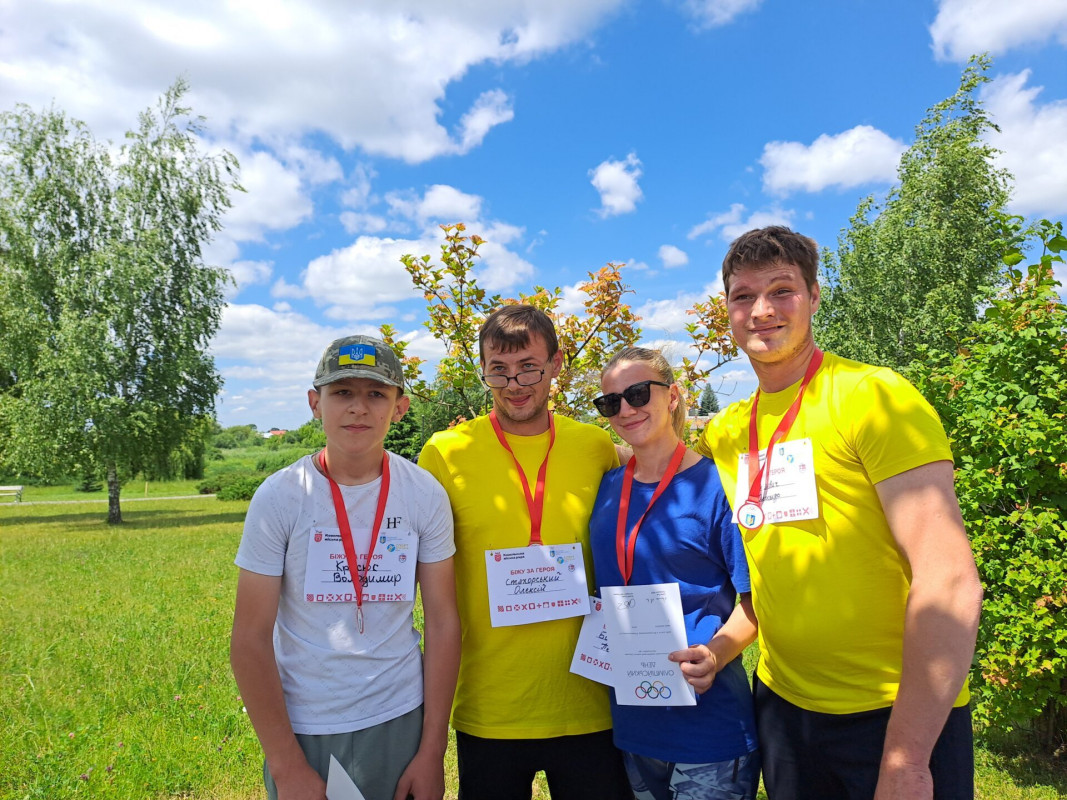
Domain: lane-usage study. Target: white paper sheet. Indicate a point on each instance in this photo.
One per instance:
(645, 624)
(339, 786)
(592, 655)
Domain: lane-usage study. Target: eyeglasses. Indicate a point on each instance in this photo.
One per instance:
(636, 396)
(527, 378)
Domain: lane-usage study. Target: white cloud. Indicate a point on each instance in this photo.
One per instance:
(731, 224)
(363, 278)
(715, 13)
(498, 267)
(501, 269)
(965, 27)
(358, 194)
(669, 316)
(357, 280)
(1031, 141)
(616, 181)
(314, 167)
(282, 288)
(275, 198)
(354, 222)
(247, 273)
(295, 342)
(854, 157)
(672, 256)
(447, 204)
(372, 75)
(572, 299)
(491, 109)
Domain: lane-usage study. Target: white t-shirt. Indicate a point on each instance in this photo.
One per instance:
(336, 679)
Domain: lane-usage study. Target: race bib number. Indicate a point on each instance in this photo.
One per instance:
(592, 655)
(535, 584)
(789, 491)
(390, 577)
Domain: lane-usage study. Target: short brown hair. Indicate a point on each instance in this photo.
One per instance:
(766, 247)
(510, 328)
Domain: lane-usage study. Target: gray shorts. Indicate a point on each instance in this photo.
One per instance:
(375, 757)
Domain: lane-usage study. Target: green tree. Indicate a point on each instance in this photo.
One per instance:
(237, 436)
(309, 435)
(1001, 397)
(913, 271)
(403, 437)
(709, 403)
(106, 305)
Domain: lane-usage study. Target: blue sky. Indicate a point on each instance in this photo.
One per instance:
(568, 133)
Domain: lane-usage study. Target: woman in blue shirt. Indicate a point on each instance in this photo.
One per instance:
(707, 751)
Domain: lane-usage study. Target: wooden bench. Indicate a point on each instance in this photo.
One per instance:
(12, 491)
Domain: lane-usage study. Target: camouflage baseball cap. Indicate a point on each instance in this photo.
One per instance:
(359, 357)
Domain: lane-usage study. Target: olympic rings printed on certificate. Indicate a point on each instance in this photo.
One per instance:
(652, 691)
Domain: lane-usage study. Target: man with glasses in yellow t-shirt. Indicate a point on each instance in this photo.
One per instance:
(863, 580)
(522, 482)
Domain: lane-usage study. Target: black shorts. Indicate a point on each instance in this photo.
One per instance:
(583, 767)
(808, 755)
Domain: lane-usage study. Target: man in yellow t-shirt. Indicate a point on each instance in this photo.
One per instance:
(518, 708)
(863, 580)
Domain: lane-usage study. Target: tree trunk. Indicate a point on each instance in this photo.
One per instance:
(114, 513)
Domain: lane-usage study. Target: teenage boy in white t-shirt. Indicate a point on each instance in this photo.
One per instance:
(328, 665)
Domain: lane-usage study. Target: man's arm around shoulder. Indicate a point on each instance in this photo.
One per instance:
(424, 777)
(256, 672)
(940, 623)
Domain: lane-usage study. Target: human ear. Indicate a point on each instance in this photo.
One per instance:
(403, 403)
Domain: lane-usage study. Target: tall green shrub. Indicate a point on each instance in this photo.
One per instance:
(1003, 399)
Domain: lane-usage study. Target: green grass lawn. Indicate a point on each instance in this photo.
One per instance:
(131, 490)
(114, 672)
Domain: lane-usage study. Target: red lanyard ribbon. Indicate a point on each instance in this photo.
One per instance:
(346, 529)
(624, 549)
(535, 502)
(755, 475)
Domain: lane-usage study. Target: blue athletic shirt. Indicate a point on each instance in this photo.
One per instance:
(687, 538)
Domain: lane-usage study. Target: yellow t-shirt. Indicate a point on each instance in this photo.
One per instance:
(515, 682)
(830, 592)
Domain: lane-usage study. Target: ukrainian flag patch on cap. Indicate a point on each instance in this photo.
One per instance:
(356, 354)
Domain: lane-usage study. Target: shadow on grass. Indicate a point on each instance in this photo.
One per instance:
(133, 520)
(1019, 756)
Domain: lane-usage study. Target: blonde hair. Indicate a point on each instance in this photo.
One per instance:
(655, 361)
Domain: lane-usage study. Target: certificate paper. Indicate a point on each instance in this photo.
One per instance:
(592, 658)
(789, 492)
(644, 625)
(339, 786)
(536, 583)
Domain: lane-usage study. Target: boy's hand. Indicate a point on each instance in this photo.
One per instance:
(424, 779)
(300, 783)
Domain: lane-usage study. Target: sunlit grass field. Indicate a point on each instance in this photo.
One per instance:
(132, 490)
(114, 672)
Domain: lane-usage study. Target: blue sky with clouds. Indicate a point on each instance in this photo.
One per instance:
(568, 134)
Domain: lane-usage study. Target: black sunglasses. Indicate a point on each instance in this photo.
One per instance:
(636, 396)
